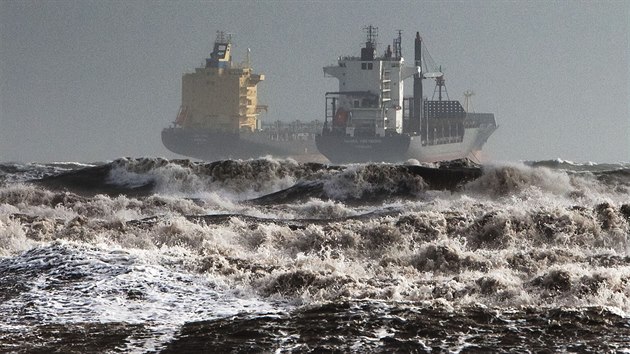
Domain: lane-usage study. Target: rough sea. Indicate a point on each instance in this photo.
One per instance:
(152, 255)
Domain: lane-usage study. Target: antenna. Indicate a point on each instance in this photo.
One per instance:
(398, 45)
(221, 36)
(372, 33)
(367, 53)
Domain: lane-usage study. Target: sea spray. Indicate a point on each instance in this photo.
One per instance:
(188, 248)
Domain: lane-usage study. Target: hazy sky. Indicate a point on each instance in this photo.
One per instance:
(96, 80)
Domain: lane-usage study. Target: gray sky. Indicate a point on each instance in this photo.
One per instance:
(96, 80)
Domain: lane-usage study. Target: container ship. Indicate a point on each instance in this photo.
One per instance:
(370, 119)
(219, 115)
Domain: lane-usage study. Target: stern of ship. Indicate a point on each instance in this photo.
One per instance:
(347, 149)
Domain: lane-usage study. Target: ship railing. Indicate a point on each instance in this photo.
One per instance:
(474, 120)
(289, 136)
(292, 127)
(344, 58)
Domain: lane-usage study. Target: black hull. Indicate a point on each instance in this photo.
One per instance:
(216, 146)
(344, 149)
(396, 148)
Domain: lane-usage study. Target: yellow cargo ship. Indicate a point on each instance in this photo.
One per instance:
(219, 115)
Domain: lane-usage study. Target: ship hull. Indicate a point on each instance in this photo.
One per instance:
(212, 146)
(344, 149)
(469, 147)
(401, 148)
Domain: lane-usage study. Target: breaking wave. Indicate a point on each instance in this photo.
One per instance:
(174, 242)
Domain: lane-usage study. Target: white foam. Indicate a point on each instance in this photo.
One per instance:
(12, 237)
(485, 244)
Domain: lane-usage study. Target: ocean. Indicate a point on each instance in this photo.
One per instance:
(150, 255)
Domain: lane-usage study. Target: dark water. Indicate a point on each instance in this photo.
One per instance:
(152, 255)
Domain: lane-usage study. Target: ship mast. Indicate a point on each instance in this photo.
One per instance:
(468, 107)
(398, 45)
(440, 84)
(417, 86)
(367, 53)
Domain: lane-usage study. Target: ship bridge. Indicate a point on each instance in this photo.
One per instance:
(370, 96)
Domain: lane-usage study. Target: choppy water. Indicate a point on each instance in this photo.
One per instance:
(152, 255)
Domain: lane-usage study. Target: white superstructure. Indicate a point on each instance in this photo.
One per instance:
(371, 90)
(369, 119)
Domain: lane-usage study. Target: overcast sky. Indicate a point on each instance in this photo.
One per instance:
(96, 80)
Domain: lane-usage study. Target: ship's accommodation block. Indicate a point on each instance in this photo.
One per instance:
(370, 91)
(222, 96)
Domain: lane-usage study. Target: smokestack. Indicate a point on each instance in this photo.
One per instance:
(417, 87)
